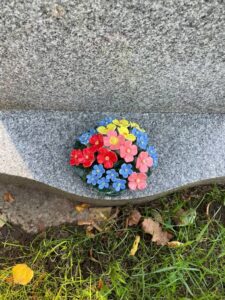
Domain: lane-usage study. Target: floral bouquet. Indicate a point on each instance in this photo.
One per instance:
(114, 156)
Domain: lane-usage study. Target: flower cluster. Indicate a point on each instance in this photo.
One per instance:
(115, 155)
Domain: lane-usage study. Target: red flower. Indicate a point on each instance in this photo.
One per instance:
(96, 141)
(88, 157)
(76, 157)
(107, 158)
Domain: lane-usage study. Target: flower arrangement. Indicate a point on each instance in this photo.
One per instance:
(114, 156)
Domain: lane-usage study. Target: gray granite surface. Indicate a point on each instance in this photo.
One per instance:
(142, 56)
(36, 145)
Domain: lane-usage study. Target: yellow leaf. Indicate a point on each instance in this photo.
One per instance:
(81, 207)
(174, 244)
(22, 274)
(135, 245)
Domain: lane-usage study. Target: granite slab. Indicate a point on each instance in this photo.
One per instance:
(143, 56)
(35, 148)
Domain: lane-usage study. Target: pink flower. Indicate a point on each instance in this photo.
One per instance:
(144, 161)
(113, 140)
(127, 151)
(137, 181)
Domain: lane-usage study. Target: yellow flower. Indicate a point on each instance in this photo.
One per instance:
(105, 130)
(136, 125)
(121, 123)
(125, 132)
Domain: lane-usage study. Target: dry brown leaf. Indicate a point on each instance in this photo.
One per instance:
(100, 284)
(9, 279)
(100, 214)
(8, 197)
(135, 245)
(174, 244)
(81, 207)
(89, 231)
(134, 218)
(22, 274)
(159, 236)
(95, 214)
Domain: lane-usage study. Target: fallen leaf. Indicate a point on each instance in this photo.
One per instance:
(89, 223)
(100, 214)
(185, 218)
(89, 231)
(174, 244)
(3, 220)
(100, 284)
(135, 245)
(9, 279)
(22, 274)
(159, 236)
(134, 218)
(95, 214)
(8, 197)
(81, 207)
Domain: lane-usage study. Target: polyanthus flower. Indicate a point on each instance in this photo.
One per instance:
(96, 141)
(105, 121)
(88, 157)
(84, 137)
(113, 140)
(76, 157)
(125, 132)
(121, 123)
(128, 151)
(112, 175)
(142, 141)
(119, 184)
(98, 171)
(92, 179)
(125, 170)
(137, 181)
(107, 158)
(137, 126)
(103, 183)
(144, 162)
(105, 130)
(152, 152)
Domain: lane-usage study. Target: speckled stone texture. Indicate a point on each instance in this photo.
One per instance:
(142, 56)
(36, 145)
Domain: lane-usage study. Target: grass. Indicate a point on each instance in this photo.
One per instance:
(70, 265)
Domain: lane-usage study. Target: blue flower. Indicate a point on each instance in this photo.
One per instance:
(142, 141)
(136, 132)
(119, 184)
(105, 121)
(98, 171)
(112, 175)
(84, 137)
(126, 170)
(92, 131)
(152, 152)
(92, 179)
(103, 183)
